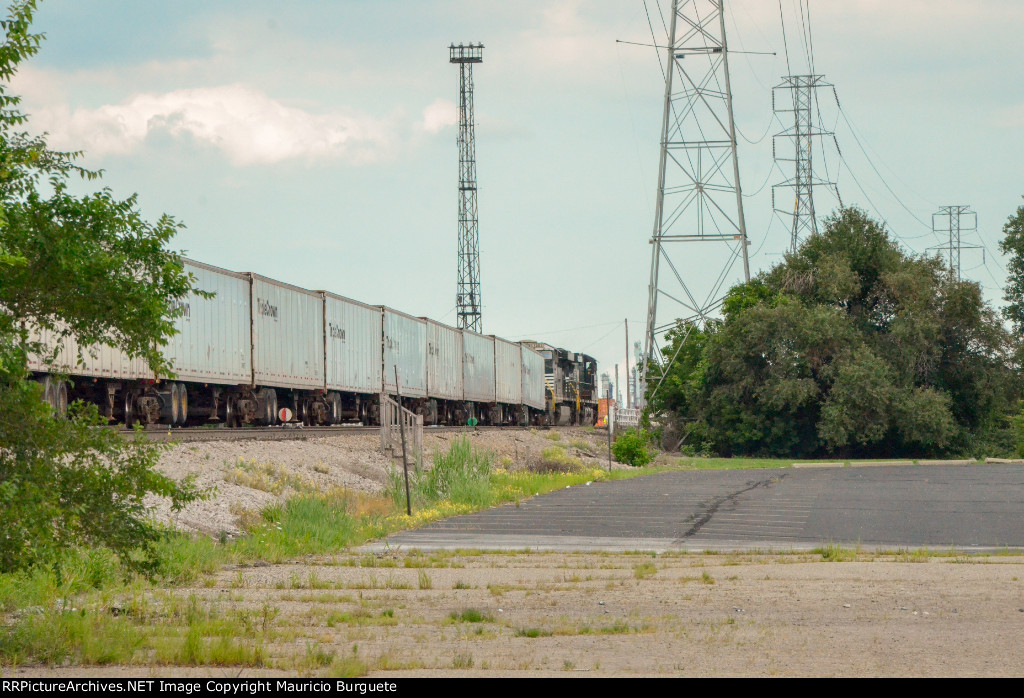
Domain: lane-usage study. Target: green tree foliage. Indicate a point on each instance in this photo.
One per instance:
(90, 267)
(849, 346)
(1012, 244)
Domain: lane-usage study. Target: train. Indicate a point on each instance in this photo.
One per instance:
(261, 352)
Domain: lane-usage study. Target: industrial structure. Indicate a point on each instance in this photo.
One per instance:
(699, 199)
(954, 221)
(467, 298)
(796, 95)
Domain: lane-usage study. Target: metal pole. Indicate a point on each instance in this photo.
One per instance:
(732, 137)
(608, 423)
(401, 429)
(628, 405)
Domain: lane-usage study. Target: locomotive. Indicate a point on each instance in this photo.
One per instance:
(570, 385)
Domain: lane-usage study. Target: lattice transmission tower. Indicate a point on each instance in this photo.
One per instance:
(800, 102)
(467, 295)
(954, 221)
(699, 198)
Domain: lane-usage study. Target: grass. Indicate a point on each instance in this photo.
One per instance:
(732, 463)
(469, 615)
(644, 570)
(85, 610)
(835, 553)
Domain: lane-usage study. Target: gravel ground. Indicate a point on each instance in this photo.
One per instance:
(555, 614)
(246, 476)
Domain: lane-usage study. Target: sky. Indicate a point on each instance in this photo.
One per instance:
(314, 141)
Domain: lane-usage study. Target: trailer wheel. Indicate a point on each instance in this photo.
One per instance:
(268, 396)
(129, 409)
(230, 413)
(48, 391)
(182, 403)
(170, 404)
(334, 402)
(62, 399)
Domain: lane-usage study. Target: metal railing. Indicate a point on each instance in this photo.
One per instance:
(627, 417)
(390, 429)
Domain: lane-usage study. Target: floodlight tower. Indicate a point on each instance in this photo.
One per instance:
(699, 198)
(467, 296)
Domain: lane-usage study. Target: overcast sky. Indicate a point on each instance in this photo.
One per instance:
(313, 141)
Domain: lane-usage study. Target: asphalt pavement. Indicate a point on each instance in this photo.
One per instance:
(969, 508)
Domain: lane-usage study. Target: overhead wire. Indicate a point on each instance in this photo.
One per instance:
(785, 43)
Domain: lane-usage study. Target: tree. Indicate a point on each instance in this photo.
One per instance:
(1012, 244)
(86, 266)
(849, 346)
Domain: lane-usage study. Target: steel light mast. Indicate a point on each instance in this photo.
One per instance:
(467, 298)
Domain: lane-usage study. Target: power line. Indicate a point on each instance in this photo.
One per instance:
(785, 44)
(863, 150)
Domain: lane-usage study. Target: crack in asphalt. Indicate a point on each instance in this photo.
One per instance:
(712, 508)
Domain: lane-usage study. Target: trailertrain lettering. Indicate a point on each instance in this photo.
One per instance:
(181, 309)
(265, 308)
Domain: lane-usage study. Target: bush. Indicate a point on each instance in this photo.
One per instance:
(555, 459)
(631, 448)
(66, 483)
(462, 476)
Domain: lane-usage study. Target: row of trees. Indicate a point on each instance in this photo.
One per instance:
(852, 347)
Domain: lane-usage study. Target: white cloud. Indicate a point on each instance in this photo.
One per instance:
(438, 115)
(250, 127)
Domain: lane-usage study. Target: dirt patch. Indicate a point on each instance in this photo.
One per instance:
(246, 476)
(454, 614)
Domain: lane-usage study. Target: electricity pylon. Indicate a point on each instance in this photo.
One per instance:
(800, 102)
(699, 198)
(955, 220)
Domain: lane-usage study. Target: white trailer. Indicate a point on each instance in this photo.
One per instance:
(478, 366)
(287, 335)
(508, 372)
(444, 362)
(405, 347)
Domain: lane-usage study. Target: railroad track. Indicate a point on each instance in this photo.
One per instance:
(284, 433)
